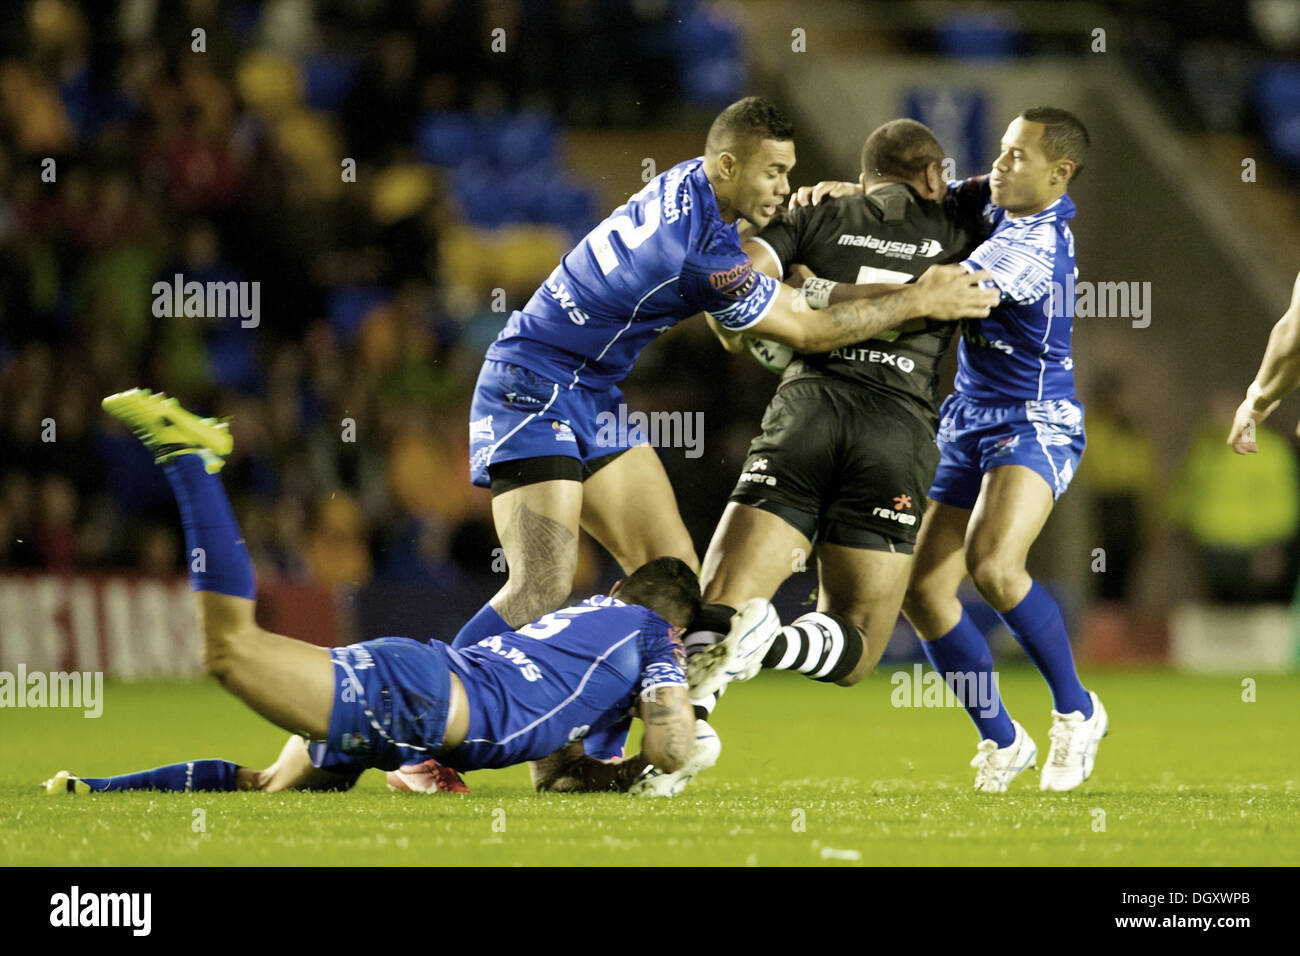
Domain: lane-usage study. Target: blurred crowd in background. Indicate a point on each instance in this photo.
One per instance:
(380, 293)
(380, 288)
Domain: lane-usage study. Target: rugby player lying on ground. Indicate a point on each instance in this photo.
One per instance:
(510, 698)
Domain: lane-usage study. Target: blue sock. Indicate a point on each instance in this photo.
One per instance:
(221, 563)
(486, 623)
(1037, 625)
(964, 653)
(181, 777)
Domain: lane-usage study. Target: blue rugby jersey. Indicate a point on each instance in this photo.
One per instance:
(567, 674)
(661, 257)
(1022, 350)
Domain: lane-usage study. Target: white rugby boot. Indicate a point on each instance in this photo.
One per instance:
(1074, 747)
(739, 655)
(995, 767)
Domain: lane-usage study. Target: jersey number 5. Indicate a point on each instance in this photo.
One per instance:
(548, 625)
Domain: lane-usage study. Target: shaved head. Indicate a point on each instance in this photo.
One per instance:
(743, 125)
(900, 149)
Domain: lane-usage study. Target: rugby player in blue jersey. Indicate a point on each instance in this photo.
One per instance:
(550, 380)
(515, 696)
(1010, 439)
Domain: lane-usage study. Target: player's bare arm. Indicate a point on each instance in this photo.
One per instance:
(1278, 376)
(669, 727)
(733, 342)
(943, 292)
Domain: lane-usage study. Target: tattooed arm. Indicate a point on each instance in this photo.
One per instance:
(859, 312)
(669, 726)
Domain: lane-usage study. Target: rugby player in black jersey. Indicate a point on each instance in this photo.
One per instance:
(847, 450)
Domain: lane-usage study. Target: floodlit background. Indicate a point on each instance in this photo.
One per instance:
(399, 176)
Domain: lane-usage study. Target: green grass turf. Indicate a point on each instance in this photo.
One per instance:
(1190, 774)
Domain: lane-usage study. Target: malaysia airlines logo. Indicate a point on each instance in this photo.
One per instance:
(925, 249)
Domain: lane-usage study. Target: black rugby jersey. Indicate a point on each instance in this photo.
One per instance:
(890, 235)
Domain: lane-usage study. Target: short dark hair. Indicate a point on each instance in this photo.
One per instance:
(746, 122)
(666, 586)
(900, 149)
(1064, 135)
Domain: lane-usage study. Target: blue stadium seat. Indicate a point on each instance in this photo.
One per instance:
(566, 204)
(348, 305)
(489, 197)
(448, 139)
(329, 79)
(1278, 101)
(525, 140)
(710, 59)
(994, 34)
(510, 141)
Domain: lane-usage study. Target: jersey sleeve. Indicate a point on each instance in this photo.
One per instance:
(783, 237)
(1020, 260)
(727, 286)
(663, 661)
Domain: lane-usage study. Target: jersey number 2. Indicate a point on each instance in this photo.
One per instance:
(631, 235)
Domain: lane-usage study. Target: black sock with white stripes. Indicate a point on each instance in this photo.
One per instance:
(824, 645)
(710, 625)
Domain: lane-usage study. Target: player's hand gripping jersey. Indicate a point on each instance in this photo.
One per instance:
(663, 256)
(890, 235)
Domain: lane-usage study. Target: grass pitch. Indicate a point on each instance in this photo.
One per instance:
(810, 775)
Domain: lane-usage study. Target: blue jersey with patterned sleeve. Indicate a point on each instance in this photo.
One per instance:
(1022, 350)
(568, 674)
(661, 257)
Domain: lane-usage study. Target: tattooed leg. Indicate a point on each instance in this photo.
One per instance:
(538, 528)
